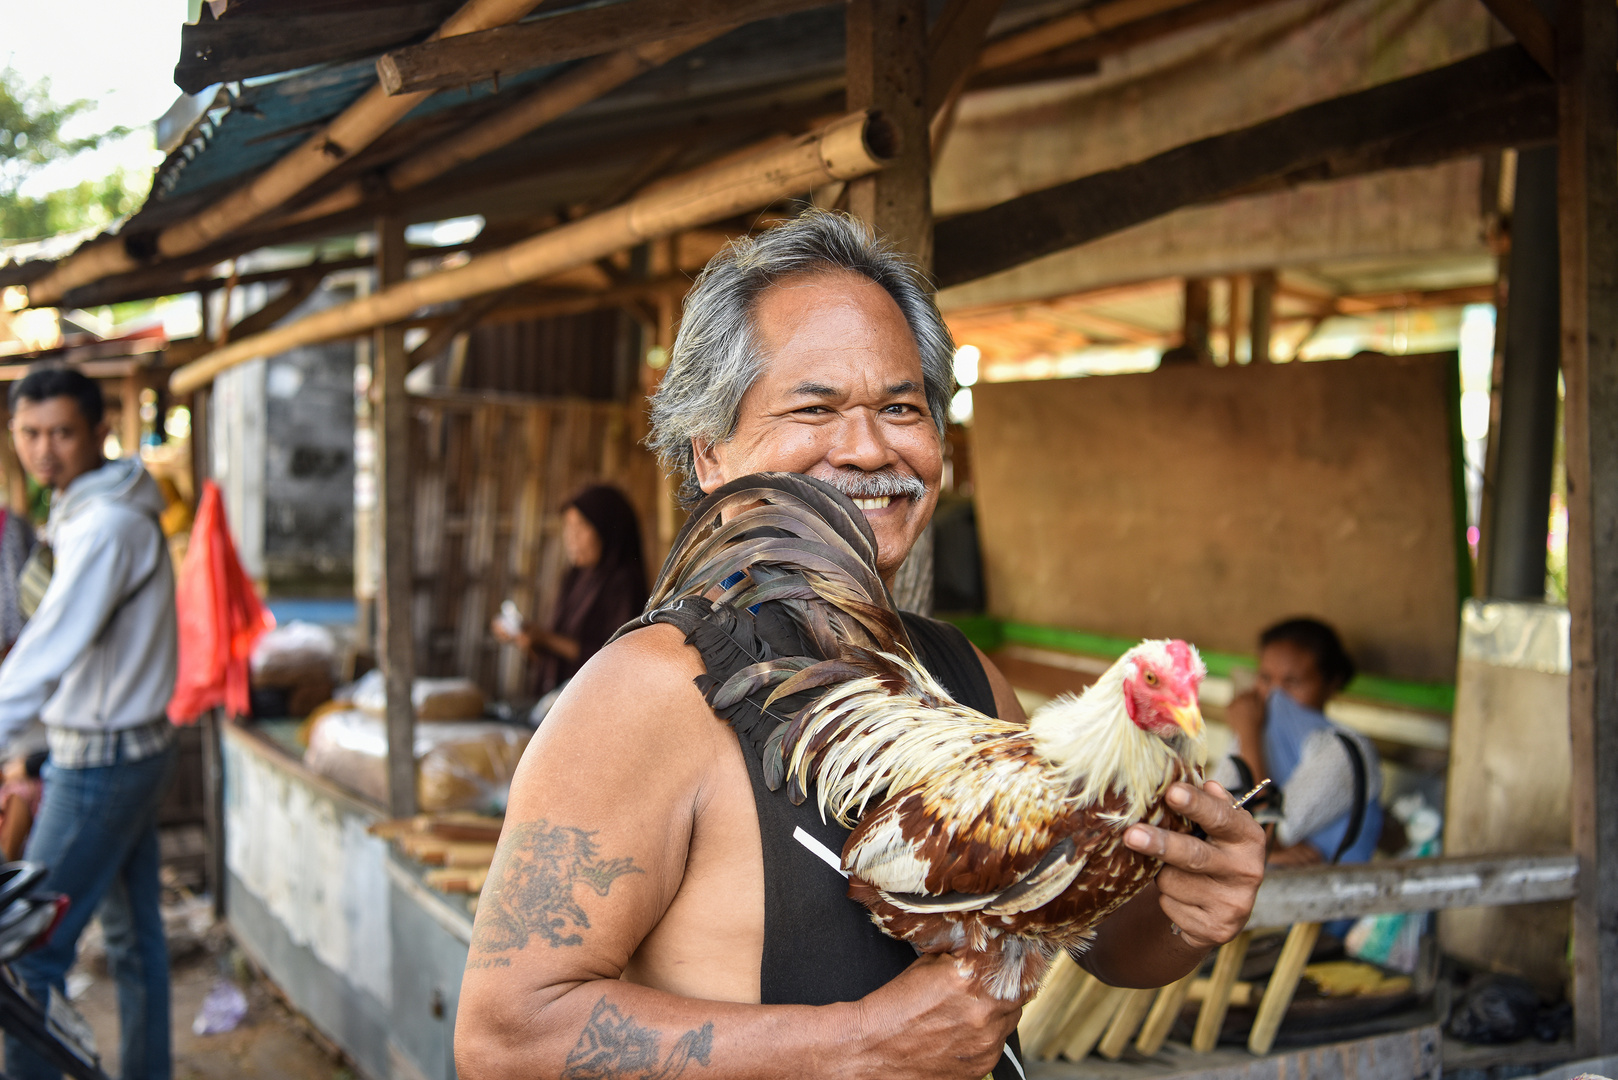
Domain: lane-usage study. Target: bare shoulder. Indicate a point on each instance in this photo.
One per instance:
(1005, 698)
(632, 704)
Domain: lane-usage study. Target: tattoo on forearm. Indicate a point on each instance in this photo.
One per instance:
(614, 1047)
(531, 886)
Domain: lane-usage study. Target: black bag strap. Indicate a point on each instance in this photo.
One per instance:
(1356, 822)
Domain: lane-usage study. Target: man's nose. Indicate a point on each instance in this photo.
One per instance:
(862, 444)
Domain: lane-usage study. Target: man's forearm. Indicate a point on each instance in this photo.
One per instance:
(609, 1027)
(1137, 947)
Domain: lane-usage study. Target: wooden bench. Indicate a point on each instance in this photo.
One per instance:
(1075, 1013)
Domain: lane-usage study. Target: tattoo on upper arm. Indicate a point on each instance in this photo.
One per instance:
(530, 889)
(614, 1047)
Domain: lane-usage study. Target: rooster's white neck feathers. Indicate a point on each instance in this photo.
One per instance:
(1094, 746)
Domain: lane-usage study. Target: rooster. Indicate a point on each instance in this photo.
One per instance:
(997, 841)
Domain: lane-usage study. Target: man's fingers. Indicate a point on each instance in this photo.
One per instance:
(1176, 849)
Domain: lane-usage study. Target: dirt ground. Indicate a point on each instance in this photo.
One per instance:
(271, 1041)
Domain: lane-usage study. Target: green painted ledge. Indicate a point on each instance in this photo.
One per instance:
(989, 633)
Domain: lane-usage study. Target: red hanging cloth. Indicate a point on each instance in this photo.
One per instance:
(221, 619)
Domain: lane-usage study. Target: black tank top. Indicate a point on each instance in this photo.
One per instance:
(820, 947)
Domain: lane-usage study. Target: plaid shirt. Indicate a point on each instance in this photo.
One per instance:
(72, 748)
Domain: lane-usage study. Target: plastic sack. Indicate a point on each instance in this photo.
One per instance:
(294, 653)
(433, 699)
(460, 765)
(220, 619)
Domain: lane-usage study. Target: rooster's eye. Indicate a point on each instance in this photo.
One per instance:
(1151, 678)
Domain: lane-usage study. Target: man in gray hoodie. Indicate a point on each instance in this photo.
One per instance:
(96, 663)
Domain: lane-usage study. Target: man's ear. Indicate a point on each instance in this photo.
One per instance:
(705, 462)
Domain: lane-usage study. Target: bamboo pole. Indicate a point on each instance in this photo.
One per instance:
(355, 128)
(576, 87)
(851, 146)
(1272, 1007)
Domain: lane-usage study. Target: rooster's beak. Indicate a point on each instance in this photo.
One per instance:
(1189, 717)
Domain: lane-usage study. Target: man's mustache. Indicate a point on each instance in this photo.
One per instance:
(857, 484)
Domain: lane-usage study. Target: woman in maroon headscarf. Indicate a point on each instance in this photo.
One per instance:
(605, 587)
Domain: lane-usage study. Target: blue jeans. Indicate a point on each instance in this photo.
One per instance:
(97, 834)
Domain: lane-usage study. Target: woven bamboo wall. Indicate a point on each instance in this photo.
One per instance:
(491, 476)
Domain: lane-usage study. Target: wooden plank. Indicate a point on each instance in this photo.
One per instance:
(1164, 1012)
(1320, 894)
(1587, 169)
(1080, 1001)
(1508, 789)
(1497, 98)
(1090, 1024)
(1255, 488)
(1062, 981)
(1131, 1011)
(1530, 27)
(506, 50)
(1211, 1017)
(1272, 1009)
(396, 642)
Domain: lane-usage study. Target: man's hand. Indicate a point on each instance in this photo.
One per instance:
(1206, 887)
(934, 1020)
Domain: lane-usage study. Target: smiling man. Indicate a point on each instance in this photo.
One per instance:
(654, 909)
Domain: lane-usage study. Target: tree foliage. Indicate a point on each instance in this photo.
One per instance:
(31, 137)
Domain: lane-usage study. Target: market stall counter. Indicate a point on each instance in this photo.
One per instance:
(349, 927)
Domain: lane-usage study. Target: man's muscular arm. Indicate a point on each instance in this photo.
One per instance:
(1206, 887)
(598, 832)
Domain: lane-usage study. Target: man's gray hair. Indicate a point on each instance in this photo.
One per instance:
(716, 357)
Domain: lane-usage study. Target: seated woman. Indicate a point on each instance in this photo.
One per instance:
(1282, 732)
(605, 587)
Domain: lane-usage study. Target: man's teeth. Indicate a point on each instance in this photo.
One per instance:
(873, 504)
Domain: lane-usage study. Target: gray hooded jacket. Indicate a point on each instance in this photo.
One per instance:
(99, 654)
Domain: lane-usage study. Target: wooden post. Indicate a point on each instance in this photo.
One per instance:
(1263, 314)
(1236, 317)
(1526, 436)
(1587, 175)
(391, 423)
(887, 71)
(129, 389)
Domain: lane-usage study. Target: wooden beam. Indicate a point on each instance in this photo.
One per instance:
(569, 35)
(1587, 177)
(1500, 97)
(1066, 29)
(1530, 27)
(471, 313)
(1082, 54)
(953, 46)
(353, 129)
(391, 422)
(250, 43)
(1323, 893)
(531, 111)
(848, 147)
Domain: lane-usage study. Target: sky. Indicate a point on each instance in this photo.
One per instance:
(119, 54)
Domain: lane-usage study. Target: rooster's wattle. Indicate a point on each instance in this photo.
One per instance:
(1001, 842)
